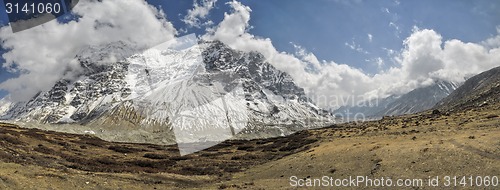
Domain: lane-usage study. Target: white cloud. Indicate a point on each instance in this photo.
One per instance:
(493, 42)
(199, 12)
(425, 58)
(370, 37)
(426, 55)
(233, 32)
(331, 79)
(45, 54)
(306, 57)
(422, 54)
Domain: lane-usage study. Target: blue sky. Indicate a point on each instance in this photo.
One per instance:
(325, 26)
(356, 33)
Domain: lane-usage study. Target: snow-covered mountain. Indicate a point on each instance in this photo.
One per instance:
(414, 101)
(420, 99)
(5, 104)
(160, 90)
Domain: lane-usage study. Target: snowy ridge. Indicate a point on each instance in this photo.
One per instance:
(206, 85)
(5, 105)
(414, 101)
(477, 91)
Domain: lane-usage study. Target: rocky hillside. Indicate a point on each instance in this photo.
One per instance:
(416, 146)
(477, 91)
(414, 101)
(419, 99)
(205, 92)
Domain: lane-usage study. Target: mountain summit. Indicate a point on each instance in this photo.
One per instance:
(206, 92)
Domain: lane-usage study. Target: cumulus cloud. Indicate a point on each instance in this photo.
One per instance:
(422, 55)
(199, 12)
(46, 53)
(493, 42)
(380, 62)
(233, 31)
(329, 78)
(424, 59)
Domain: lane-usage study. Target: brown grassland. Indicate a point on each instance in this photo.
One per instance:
(465, 142)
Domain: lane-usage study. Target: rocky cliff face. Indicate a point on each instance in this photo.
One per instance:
(419, 99)
(414, 101)
(208, 85)
(478, 91)
(98, 85)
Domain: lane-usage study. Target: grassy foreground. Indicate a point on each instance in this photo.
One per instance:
(463, 143)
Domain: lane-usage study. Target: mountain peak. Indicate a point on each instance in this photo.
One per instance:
(417, 100)
(159, 89)
(107, 53)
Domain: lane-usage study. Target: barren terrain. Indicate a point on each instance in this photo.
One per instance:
(465, 142)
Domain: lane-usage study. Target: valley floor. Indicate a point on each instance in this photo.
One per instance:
(465, 143)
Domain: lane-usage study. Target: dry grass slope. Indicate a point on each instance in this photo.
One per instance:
(465, 142)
